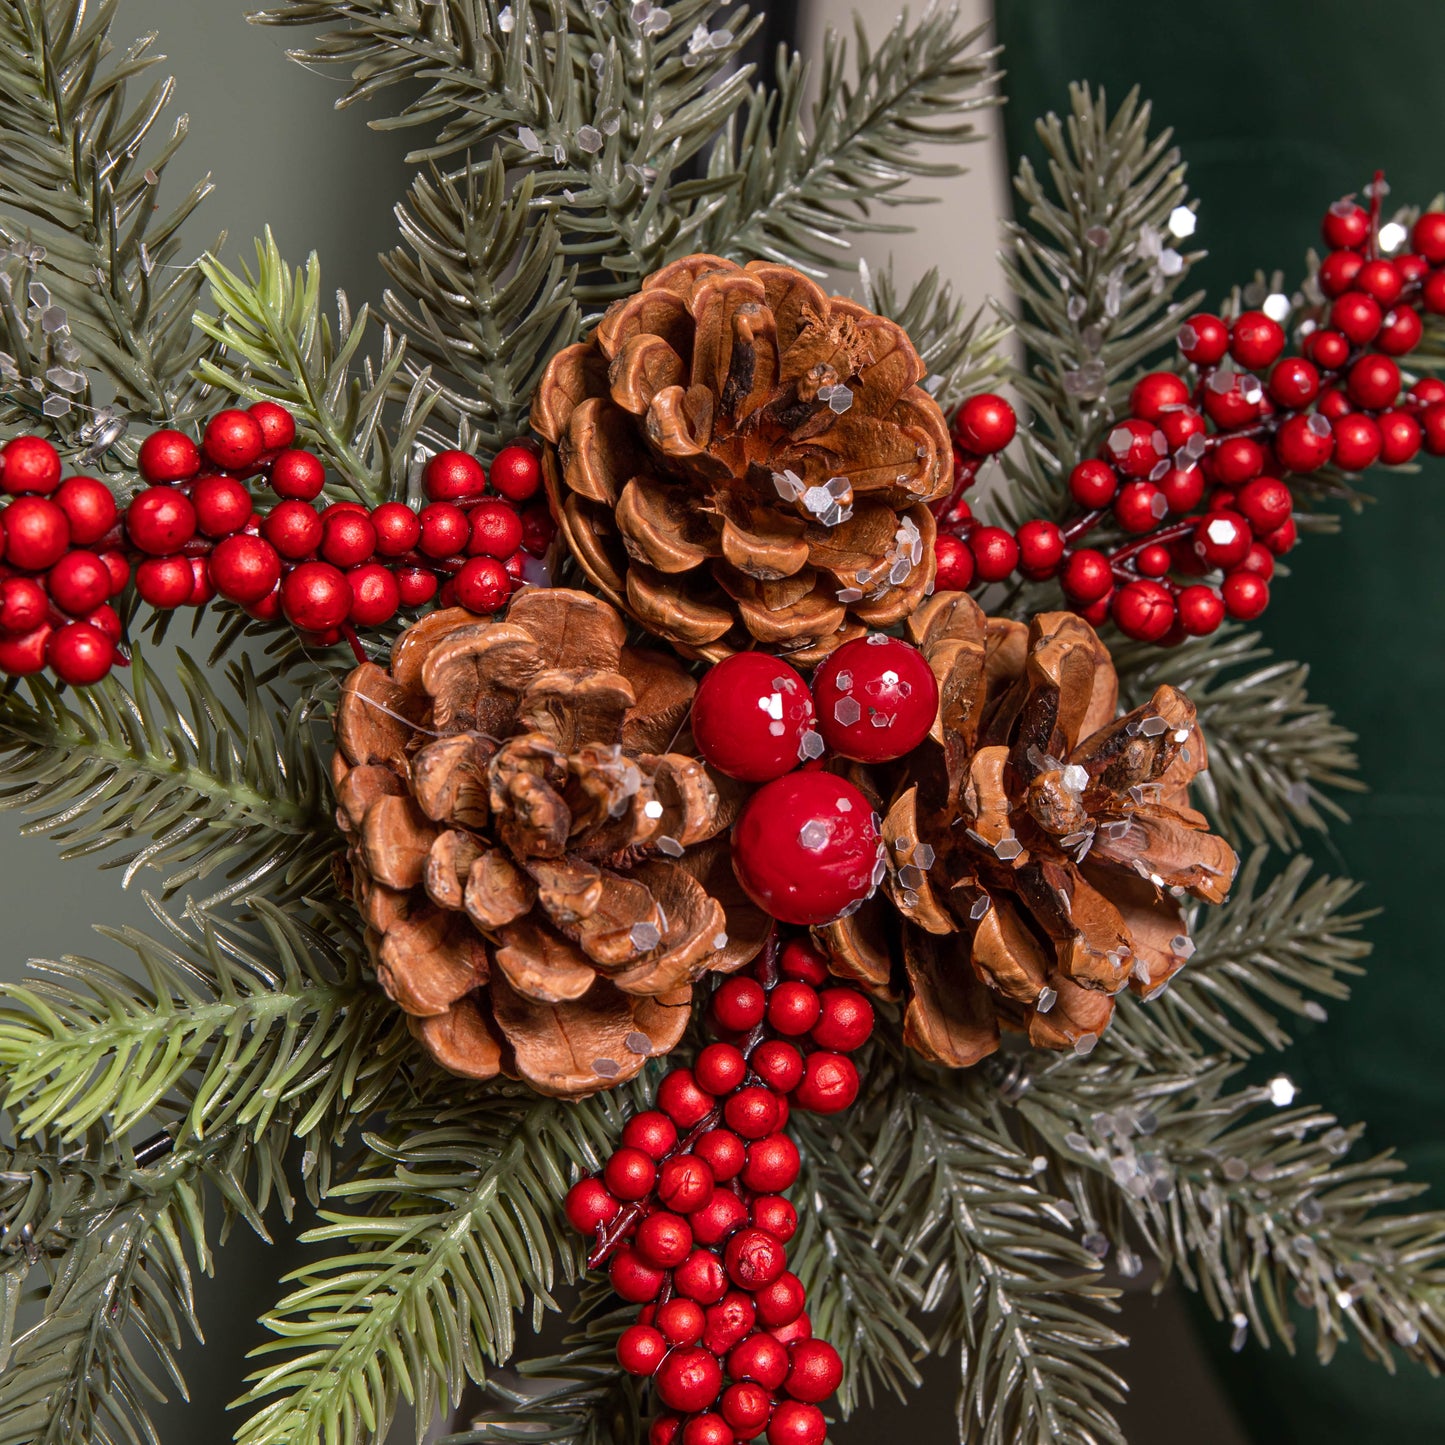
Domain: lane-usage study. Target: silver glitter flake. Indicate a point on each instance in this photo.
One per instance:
(606, 1068)
(589, 139)
(814, 835)
(980, 908)
(1008, 848)
(847, 711)
(645, 936)
(638, 1043)
(811, 745)
(1047, 998)
(670, 846)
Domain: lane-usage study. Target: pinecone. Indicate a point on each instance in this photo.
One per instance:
(532, 862)
(741, 461)
(1054, 838)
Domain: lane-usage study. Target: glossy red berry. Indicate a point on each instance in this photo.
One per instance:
(752, 716)
(23, 653)
(778, 1064)
(1246, 595)
(1432, 293)
(752, 1112)
(1178, 426)
(165, 582)
(1357, 442)
(815, 1371)
(680, 1098)
(1294, 383)
(24, 604)
(663, 1239)
(724, 1214)
(684, 1183)
(396, 528)
(701, 1277)
(1256, 340)
(723, 1152)
(876, 698)
(1086, 576)
(665, 1430)
(1400, 437)
(650, 1131)
(720, 1068)
(1041, 548)
(452, 475)
(29, 466)
(641, 1349)
(760, 1358)
(1237, 459)
(79, 653)
(1181, 488)
(772, 1165)
(1358, 316)
(985, 424)
(78, 583)
(633, 1278)
(805, 848)
(708, 1429)
(1328, 349)
(1143, 610)
(1156, 393)
(1093, 484)
(1135, 447)
(1338, 271)
(161, 520)
(89, 508)
(168, 456)
(483, 585)
(1427, 236)
(1304, 443)
(298, 476)
(801, 959)
(728, 1321)
(1264, 503)
(589, 1205)
(234, 441)
(1232, 400)
(36, 533)
(107, 619)
(796, 1423)
(829, 1084)
(315, 596)
(954, 564)
(1400, 332)
(1380, 279)
(1282, 538)
(245, 569)
(117, 564)
(416, 586)
(845, 1020)
(1139, 507)
(444, 530)
(1345, 224)
(1373, 382)
(1155, 560)
(1200, 610)
(746, 1407)
(1204, 339)
(1259, 560)
(278, 426)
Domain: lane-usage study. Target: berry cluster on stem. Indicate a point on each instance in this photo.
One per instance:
(690, 1216)
(69, 551)
(1196, 475)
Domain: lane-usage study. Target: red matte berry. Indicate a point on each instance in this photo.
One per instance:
(1135, 447)
(1400, 332)
(1357, 315)
(1140, 507)
(633, 1278)
(845, 1020)
(298, 476)
(954, 566)
(1256, 340)
(79, 654)
(796, 1423)
(1093, 484)
(985, 424)
(689, 1380)
(1427, 236)
(720, 1068)
(24, 604)
(723, 1152)
(222, 506)
(1304, 443)
(806, 847)
(89, 508)
(78, 583)
(452, 475)
(1204, 339)
(684, 1183)
(995, 553)
(165, 582)
(29, 466)
(751, 715)
(728, 1321)
(755, 1258)
(315, 596)
(665, 1430)
(1373, 382)
(234, 441)
(1245, 594)
(278, 426)
(1357, 442)
(663, 1239)
(1380, 279)
(1338, 271)
(652, 1132)
(793, 1008)
(160, 521)
(1264, 503)
(752, 1112)
(245, 569)
(815, 1371)
(801, 960)
(36, 533)
(107, 619)
(416, 586)
(1156, 393)
(721, 1216)
(1086, 576)
(629, 1173)
(1259, 560)
(682, 1100)
(1221, 539)
(1345, 225)
(1155, 560)
(1294, 383)
(781, 1302)
(779, 1065)
(375, 597)
(590, 1205)
(739, 1004)
(347, 538)
(1041, 548)
(496, 530)
(876, 697)
(776, 1215)
(681, 1321)
(23, 653)
(1237, 459)
(708, 1429)
(1400, 437)
(1233, 403)
(516, 473)
(760, 1358)
(829, 1085)
(117, 564)
(1432, 293)
(293, 529)
(538, 529)
(168, 456)
(641, 1349)
(483, 585)
(701, 1277)
(444, 530)
(746, 1407)
(772, 1165)
(397, 529)
(1282, 538)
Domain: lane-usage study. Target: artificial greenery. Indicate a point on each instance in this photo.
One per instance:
(245, 1055)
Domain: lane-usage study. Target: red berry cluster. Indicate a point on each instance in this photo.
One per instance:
(67, 551)
(690, 1216)
(1195, 472)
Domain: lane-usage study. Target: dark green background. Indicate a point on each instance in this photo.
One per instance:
(1279, 107)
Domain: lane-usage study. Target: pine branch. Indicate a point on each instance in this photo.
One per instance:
(202, 790)
(806, 185)
(1271, 750)
(278, 344)
(82, 175)
(460, 1228)
(230, 1026)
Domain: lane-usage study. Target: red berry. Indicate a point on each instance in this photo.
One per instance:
(830, 1083)
(750, 716)
(160, 521)
(739, 1005)
(1232, 401)
(538, 529)
(1237, 459)
(29, 465)
(708, 1429)
(165, 582)
(759, 1358)
(396, 527)
(24, 604)
(315, 596)
(1086, 576)
(721, 1216)
(1374, 382)
(1156, 393)
(78, 583)
(1155, 560)
(453, 475)
(1140, 507)
(680, 1098)
(107, 619)
(776, 1215)
(665, 1430)
(496, 530)
(416, 586)
(629, 1173)
(720, 1068)
(805, 847)
(1246, 595)
(728, 1321)
(652, 1132)
(1179, 426)
(723, 1152)
(1432, 293)
(118, 567)
(877, 698)
(222, 506)
(1357, 315)
(347, 538)
(793, 1008)
(995, 553)
(681, 1321)
(633, 1278)
(278, 426)
(664, 1239)
(640, 1349)
(1256, 340)
(1204, 339)
(1041, 548)
(985, 424)
(752, 1112)
(1221, 539)
(1259, 560)
(845, 1021)
(1412, 268)
(779, 1065)
(1143, 610)
(234, 441)
(444, 530)
(772, 1165)
(1200, 610)
(689, 1380)
(1400, 436)
(1265, 503)
(701, 1277)
(1358, 442)
(589, 1206)
(1135, 447)
(516, 473)
(801, 959)
(1294, 383)
(1345, 224)
(1427, 236)
(375, 596)
(79, 654)
(298, 476)
(89, 507)
(1328, 349)
(1282, 538)
(954, 564)
(1093, 484)
(1338, 271)
(23, 653)
(268, 608)
(483, 586)
(1380, 279)
(685, 1183)
(168, 456)
(1304, 443)
(36, 533)
(246, 569)
(815, 1372)
(746, 1407)
(1096, 613)
(781, 1302)
(1400, 332)
(293, 529)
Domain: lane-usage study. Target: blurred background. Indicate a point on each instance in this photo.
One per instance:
(1279, 106)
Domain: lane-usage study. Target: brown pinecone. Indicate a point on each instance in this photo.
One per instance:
(533, 863)
(1053, 838)
(739, 460)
